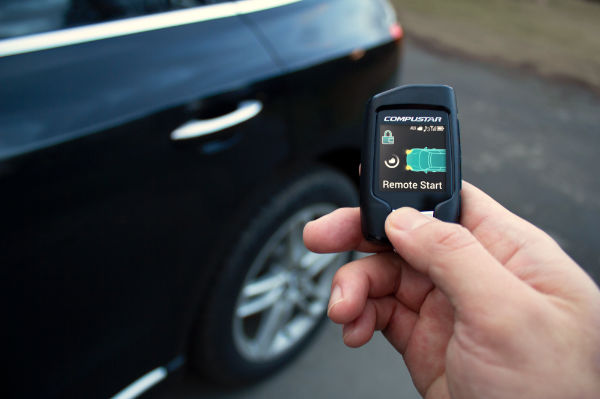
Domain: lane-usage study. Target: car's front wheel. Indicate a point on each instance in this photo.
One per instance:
(271, 293)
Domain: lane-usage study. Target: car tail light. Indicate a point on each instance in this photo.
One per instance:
(396, 31)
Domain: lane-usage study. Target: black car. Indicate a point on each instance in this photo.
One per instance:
(158, 161)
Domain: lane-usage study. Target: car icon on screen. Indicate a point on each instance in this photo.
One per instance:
(426, 160)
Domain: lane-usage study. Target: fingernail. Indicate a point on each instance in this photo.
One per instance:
(335, 298)
(407, 219)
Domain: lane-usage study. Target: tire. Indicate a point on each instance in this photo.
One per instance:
(271, 293)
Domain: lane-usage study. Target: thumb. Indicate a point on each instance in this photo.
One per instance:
(452, 258)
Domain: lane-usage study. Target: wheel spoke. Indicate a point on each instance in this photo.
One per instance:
(260, 304)
(316, 263)
(299, 298)
(311, 290)
(295, 244)
(300, 326)
(277, 318)
(316, 309)
(264, 284)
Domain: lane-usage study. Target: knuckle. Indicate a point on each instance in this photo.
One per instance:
(347, 271)
(340, 273)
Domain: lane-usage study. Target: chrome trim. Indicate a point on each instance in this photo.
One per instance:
(142, 384)
(197, 128)
(250, 6)
(129, 26)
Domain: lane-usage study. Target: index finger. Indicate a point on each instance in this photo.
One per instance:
(339, 231)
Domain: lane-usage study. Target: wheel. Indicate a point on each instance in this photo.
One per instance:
(271, 294)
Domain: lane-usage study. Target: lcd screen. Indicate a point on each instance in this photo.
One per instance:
(412, 156)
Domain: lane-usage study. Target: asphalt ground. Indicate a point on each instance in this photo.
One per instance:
(531, 143)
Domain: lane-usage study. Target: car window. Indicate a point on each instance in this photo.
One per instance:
(24, 17)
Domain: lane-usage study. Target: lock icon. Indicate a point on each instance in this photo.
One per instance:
(387, 138)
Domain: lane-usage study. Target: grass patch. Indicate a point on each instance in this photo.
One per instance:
(557, 38)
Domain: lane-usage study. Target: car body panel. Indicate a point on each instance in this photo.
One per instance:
(111, 231)
(105, 83)
(312, 31)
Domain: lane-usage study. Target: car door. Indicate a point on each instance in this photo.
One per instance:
(110, 205)
(359, 42)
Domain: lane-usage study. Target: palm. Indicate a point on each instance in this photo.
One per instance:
(433, 343)
(425, 352)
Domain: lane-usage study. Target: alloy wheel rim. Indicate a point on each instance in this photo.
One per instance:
(285, 292)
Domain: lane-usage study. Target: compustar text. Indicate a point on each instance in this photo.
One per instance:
(425, 119)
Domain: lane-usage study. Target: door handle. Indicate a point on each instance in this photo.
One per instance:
(201, 127)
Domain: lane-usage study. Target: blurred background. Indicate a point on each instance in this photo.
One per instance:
(120, 206)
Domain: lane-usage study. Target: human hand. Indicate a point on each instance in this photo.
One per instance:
(494, 309)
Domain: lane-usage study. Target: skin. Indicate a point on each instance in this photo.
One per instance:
(490, 308)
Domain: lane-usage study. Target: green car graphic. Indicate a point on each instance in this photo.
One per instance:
(426, 160)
